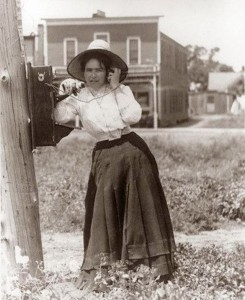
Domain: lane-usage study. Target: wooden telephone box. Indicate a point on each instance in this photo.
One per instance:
(42, 100)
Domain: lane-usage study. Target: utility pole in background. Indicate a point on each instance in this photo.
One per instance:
(243, 75)
(20, 226)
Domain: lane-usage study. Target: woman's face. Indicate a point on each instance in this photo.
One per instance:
(95, 74)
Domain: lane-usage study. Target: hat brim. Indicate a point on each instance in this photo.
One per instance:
(74, 67)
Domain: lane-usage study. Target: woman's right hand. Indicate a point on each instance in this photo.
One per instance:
(114, 77)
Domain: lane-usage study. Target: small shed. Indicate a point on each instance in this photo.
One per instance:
(218, 99)
(210, 102)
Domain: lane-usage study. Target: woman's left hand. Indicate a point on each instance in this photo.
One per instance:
(113, 78)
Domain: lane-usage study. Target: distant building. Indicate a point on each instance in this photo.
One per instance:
(29, 45)
(157, 64)
(218, 99)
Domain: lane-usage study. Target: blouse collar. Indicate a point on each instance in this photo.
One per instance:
(86, 95)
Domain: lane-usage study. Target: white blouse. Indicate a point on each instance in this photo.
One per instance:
(105, 116)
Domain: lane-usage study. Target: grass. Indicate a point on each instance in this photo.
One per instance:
(202, 179)
(203, 182)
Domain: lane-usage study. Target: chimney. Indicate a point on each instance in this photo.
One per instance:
(99, 14)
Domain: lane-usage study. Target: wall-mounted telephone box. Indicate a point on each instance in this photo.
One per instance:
(42, 100)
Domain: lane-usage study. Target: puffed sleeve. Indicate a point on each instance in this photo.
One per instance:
(66, 110)
(129, 108)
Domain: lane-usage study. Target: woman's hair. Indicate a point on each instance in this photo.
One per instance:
(103, 59)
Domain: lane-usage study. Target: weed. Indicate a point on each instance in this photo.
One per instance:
(202, 180)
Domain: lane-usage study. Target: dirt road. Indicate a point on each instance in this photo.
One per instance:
(64, 248)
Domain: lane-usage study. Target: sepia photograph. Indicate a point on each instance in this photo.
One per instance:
(122, 149)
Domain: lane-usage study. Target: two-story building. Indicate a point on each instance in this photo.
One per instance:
(157, 64)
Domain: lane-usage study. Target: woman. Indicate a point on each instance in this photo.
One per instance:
(126, 216)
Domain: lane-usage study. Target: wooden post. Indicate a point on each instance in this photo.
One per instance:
(155, 114)
(21, 237)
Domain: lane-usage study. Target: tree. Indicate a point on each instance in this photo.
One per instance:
(200, 61)
(224, 68)
(21, 237)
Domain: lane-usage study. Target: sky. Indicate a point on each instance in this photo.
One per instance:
(207, 23)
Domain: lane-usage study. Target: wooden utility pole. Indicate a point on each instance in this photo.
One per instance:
(20, 236)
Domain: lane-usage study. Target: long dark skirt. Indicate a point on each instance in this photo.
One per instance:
(127, 217)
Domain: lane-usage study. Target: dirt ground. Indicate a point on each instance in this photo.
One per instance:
(63, 249)
(214, 121)
(196, 126)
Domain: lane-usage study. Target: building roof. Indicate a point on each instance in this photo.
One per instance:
(224, 81)
(101, 20)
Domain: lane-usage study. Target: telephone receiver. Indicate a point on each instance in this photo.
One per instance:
(122, 75)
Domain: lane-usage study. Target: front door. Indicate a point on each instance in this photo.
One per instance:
(210, 105)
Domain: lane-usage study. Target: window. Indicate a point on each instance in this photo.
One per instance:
(143, 99)
(102, 36)
(164, 101)
(70, 49)
(133, 51)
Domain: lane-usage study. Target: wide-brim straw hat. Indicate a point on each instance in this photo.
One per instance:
(97, 46)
